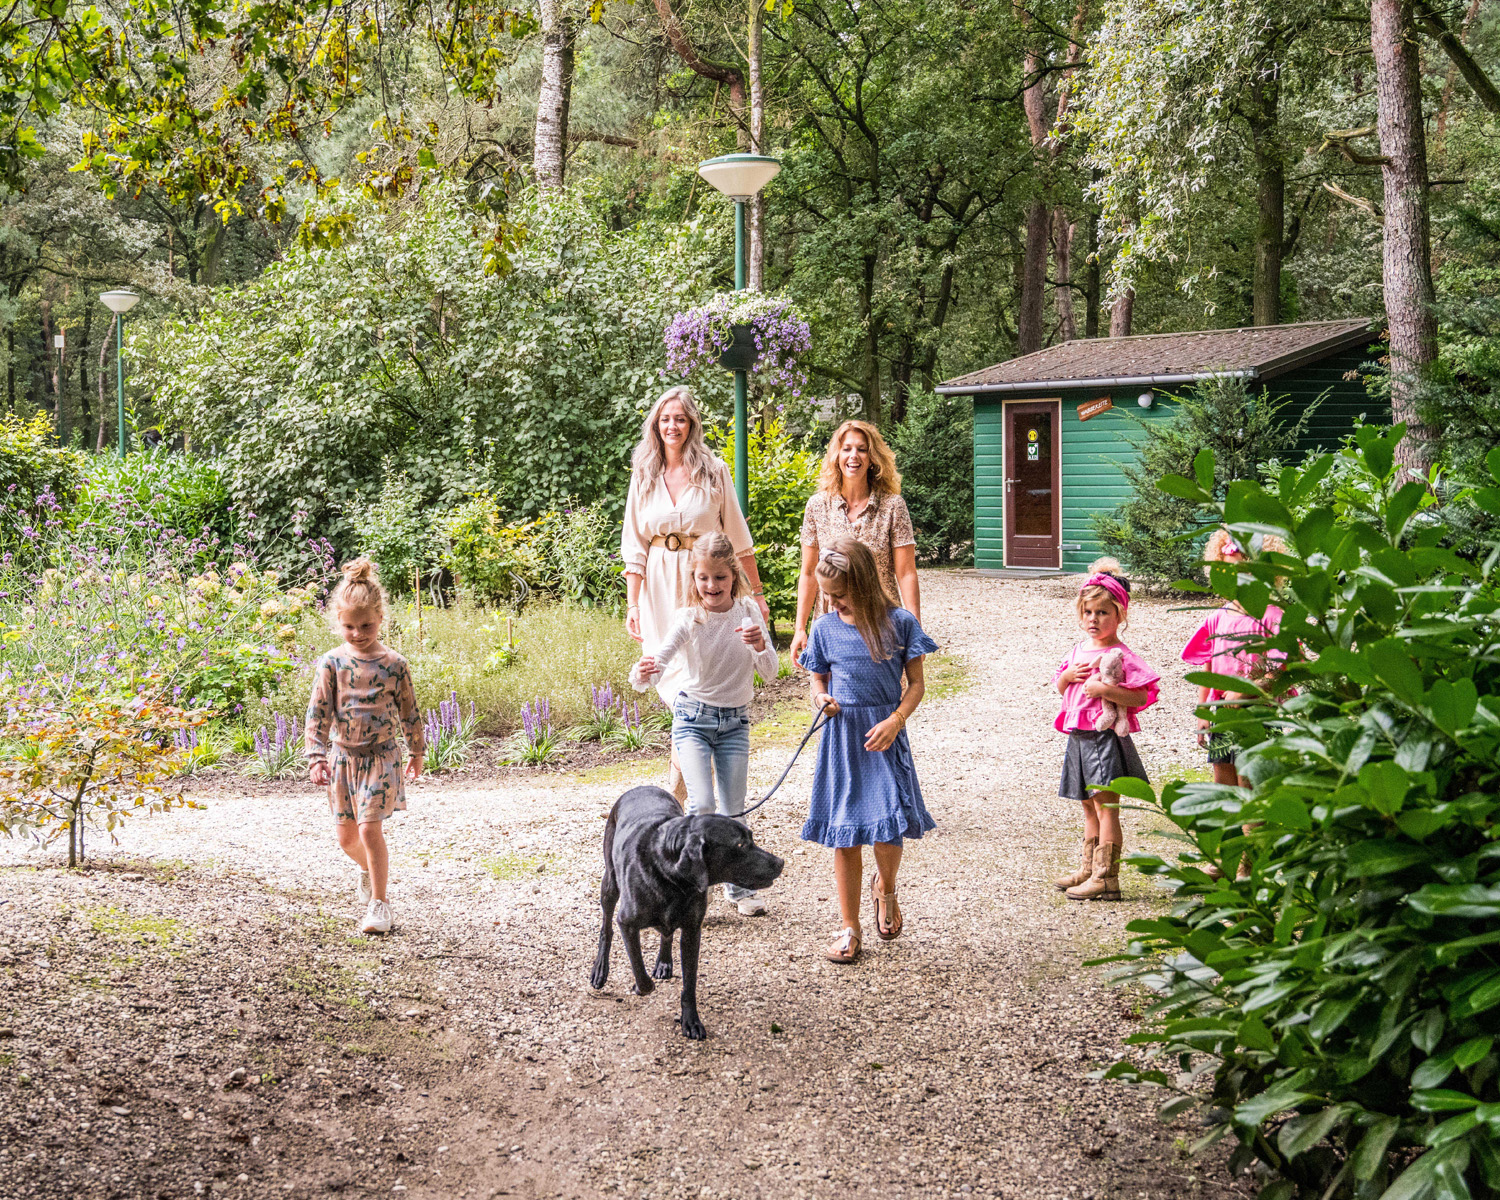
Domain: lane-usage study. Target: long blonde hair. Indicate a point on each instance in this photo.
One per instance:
(358, 591)
(883, 477)
(650, 457)
(849, 561)
(716, 548)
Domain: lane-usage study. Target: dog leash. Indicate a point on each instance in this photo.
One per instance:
(818, 722)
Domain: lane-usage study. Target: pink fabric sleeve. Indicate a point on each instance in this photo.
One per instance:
(1061, 667)
(1140, 677)
(1200, 647)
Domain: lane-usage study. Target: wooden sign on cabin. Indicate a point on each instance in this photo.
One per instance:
(1092, 408)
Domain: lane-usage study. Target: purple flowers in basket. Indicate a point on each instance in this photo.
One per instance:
(697, 337)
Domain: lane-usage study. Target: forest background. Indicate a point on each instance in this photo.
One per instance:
(400, 259)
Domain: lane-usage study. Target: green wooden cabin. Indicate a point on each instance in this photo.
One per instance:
(1050, 431)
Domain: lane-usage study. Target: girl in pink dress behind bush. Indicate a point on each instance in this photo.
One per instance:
(1095, 754)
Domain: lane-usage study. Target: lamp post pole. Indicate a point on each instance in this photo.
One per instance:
(120, 375)
(741, 379)
(119, 302)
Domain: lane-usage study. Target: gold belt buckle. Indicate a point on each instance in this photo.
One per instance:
(673, 541)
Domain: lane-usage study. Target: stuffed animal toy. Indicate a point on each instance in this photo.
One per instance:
(1112, 671)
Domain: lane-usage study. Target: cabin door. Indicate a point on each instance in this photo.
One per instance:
(1033, 483)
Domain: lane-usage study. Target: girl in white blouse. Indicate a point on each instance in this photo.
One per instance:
(717, 642)
(679, 491)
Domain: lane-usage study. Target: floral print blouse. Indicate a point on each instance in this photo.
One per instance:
(367, 702)
(883, 526)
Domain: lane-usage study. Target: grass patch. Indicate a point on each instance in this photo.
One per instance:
(325, 982)
(946, 675)
(166, 933)
(627, 770)
(564, 651)
(509, 865)
(785, 724)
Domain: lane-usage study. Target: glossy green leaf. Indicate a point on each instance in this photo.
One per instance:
(1382, 857)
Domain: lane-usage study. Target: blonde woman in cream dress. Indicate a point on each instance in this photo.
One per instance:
(679, 489)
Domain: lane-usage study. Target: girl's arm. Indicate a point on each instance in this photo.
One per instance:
(411, 722)
(884, 734)
(319, 718)
(807, 591)
(820, 695)
(1126, 697)
(652, 665)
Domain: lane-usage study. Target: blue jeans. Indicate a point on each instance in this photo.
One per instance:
(713, 745)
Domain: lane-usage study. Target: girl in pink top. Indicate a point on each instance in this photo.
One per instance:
(1096, 754)
(1220, 644)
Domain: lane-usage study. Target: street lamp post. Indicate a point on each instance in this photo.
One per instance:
(120, 302)
(740, 177)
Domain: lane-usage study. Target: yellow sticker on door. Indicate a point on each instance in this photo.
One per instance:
(1033, 450)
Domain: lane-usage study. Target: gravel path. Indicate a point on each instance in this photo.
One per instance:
(465, 1055)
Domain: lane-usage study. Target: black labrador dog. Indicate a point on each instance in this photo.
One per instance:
(658, 867)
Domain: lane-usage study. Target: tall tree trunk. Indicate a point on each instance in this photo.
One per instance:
(103, 408)
(1122, 313)
(550, 144)
(1407, 231)
(83, 373)
(1062, 255)
(1270, 186)
(757, 214)
(1091, 281)
(1033, 278)
(872, 342)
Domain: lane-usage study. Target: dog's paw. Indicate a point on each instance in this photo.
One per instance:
(600, 976)
(662, 969)
(643, 987)
(692, 1027)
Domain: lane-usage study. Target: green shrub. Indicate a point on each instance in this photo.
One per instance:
(579, 553)
(398, 535)
(1344, 1000)
(174, 489)
(783, 474)
(32, 467)
(493, 561)
(934, 450)
(1240, 431)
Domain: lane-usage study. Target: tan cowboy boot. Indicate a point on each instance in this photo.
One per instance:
(677, 785)
(1104, 882)
(1063, 883)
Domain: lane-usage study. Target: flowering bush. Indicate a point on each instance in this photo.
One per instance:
(450, 734)
(632, 733)
(535, 744)
(697, 337)
(602, 720)
(278, 751)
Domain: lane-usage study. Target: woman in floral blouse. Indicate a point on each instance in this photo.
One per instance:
(859, 496)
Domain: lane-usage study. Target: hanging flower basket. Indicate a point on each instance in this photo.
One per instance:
(741, 353)
(742, 331)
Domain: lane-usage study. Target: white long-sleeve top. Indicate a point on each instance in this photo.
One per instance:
(714, 666)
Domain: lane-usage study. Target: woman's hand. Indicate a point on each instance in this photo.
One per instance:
(644, 669)
(633, 622)
(765, 610)
(827, 703)
(318, 770)
(414, 766)
(799, 644)
(884, 734)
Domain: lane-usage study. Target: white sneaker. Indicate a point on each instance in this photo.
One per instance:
(377, 918)
(363, 893)
(752, 906)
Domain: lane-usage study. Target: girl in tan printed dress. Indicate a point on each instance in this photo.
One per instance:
(362, 692)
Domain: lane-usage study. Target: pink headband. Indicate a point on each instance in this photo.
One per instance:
(1111, 585)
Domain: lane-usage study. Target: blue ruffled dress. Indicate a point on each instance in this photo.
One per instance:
(861, 796)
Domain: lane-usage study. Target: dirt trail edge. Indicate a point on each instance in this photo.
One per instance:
(196, 1015)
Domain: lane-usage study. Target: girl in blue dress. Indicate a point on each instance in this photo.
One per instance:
(865, 790)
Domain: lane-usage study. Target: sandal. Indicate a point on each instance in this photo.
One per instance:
(888, 899)
(846, 948)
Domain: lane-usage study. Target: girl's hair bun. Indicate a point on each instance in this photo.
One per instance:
(361, 570)
(1110, 566)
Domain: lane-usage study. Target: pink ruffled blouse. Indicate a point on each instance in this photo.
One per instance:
(1219, 643)
(1080, 710)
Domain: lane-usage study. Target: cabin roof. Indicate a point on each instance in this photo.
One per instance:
(1255, 352)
